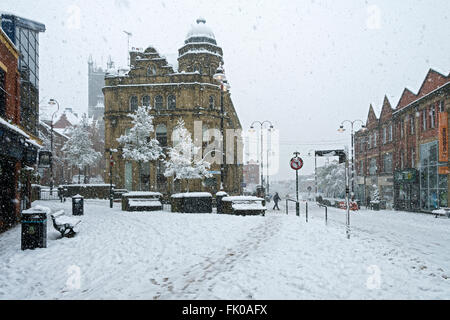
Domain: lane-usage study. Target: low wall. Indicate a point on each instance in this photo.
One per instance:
(88, 191)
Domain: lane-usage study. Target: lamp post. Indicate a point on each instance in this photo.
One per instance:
(252, 127)
(315, 172)
(341, 130)
(220, 77)
(111, 164)
(52, 102)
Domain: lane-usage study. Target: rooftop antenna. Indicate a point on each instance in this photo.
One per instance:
(129, 35)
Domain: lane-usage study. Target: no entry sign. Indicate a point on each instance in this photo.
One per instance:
(296, 163)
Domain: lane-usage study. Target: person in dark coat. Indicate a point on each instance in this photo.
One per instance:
(276, 198)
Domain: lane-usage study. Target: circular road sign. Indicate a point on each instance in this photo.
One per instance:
(296, 163)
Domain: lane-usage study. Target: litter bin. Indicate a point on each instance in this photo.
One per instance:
(77, 205)
(34, 229)
(219, 196)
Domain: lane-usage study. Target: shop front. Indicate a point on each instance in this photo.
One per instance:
(433, 179)
(17, 156)
(406, 190)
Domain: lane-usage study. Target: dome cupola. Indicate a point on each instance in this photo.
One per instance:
(200, 32)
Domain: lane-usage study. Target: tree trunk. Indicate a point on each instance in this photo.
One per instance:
(79, 173)
(140, 176)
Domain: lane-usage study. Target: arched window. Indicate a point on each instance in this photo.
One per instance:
(158, 102)
(146, 101)
(151, 71)
(212, 70)
(171, 102)
(161, 134)
(197, 68)
(133, 103)
(212, 103)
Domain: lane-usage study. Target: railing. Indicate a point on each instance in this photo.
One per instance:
(297, 206)
(47, 195)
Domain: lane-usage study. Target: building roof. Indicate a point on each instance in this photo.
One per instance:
(407, 97)
(23, 22)
(200, 32)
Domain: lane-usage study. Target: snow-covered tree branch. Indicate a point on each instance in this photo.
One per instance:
(78, 150)
(137, 143)
(182, 163)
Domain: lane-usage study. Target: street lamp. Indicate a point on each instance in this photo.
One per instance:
(52, 102)
(341, 130)
(252, 127)
(111, 164)
(315, 170)
(220, 77)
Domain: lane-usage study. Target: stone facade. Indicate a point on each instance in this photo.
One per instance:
(190, 93)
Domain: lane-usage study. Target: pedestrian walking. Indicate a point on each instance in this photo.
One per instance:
(276, 198)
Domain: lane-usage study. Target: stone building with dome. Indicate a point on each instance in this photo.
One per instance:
(190, 93)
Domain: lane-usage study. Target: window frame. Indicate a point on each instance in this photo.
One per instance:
(130, 103)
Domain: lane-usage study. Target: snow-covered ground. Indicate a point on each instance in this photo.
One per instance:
(163, 255)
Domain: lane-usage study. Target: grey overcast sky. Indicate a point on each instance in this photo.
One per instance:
(305, 65)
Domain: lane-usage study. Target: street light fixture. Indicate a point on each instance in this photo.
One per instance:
(52, 102)
(252, 128)
(341, 130)
(220, 77)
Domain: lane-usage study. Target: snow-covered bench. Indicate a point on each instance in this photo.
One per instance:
(142, 201)
(144, 205)
(442, 212)
(244, 205)
(64, 224)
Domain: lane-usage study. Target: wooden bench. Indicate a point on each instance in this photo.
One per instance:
(64, 224)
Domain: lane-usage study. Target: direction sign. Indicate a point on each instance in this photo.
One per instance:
(296, 163)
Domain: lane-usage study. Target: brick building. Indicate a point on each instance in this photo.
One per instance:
(405, 151)
(190, 93)
(18, 148)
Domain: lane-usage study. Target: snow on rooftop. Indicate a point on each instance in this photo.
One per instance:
(200, 30)
(192, 195)
(13, 127)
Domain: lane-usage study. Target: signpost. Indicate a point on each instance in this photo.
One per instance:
(297, 164)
